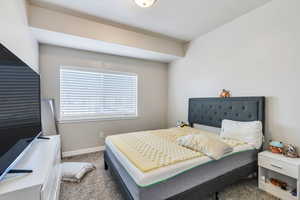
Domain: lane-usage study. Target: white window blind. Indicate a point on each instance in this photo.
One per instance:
(96, 94)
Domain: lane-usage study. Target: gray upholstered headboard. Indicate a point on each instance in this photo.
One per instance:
(211, 111)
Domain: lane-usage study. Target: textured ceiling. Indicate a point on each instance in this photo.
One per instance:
(179, 19)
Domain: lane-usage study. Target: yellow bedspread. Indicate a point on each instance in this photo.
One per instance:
(149, 150)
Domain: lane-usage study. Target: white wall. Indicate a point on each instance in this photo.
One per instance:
(14, 32)
(152, 94)
(257, 54)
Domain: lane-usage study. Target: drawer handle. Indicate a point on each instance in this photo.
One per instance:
(276, 166)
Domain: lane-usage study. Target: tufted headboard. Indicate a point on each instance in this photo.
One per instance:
(211, 111)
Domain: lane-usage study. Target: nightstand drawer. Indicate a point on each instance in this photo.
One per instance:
(278, 166)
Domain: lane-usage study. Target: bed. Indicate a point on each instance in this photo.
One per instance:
(199, 177)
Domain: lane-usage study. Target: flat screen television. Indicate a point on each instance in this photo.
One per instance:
(20, 110)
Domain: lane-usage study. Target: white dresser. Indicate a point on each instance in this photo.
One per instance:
(44, 158)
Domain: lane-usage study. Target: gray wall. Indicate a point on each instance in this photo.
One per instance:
(15, 33)
(152, 94)
(257, 54)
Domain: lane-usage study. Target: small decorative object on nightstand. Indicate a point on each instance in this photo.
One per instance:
(290, 151)
(279, 175)
(276, 147)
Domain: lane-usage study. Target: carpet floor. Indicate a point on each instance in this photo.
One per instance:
(99, 185)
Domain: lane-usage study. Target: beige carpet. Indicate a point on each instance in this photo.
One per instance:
(98, 185)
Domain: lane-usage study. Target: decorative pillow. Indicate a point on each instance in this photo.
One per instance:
(210, 146)
(75, 171)
(249, 132)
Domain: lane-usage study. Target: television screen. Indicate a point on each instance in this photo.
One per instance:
(20, 113)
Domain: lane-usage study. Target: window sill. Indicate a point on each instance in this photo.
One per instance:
(82, 120)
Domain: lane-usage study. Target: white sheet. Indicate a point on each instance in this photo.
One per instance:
(152, 177)
(208, 128)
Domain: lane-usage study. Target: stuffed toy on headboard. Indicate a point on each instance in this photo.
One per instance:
(225, 94)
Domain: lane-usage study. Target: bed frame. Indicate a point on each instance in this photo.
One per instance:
(211, 112)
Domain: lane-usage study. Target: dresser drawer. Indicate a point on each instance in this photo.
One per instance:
(278, 166)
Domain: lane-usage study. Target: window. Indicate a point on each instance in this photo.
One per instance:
(91, 94)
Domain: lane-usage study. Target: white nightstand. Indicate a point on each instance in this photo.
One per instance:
(279, 167)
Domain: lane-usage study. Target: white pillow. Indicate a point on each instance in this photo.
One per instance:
(210, 146)
(74, 171)
(249, 132)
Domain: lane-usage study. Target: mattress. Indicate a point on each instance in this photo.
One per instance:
(168, 181)
(164, 173)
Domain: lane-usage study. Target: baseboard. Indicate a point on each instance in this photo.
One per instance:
(82, 151)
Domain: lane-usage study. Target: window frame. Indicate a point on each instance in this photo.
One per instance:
(97, 117)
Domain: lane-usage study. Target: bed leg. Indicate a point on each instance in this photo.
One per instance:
(105, 165)
(104, 160)
(217, 196)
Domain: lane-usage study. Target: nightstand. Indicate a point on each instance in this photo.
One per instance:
(281, 168)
